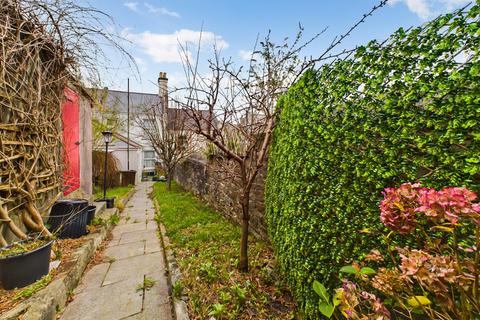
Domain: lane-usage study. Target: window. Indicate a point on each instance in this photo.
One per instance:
(149, 154)
(149, 159)
(148, 163)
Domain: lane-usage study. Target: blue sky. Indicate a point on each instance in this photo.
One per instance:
(154, 28)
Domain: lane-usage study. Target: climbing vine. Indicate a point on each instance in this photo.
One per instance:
(406, 109)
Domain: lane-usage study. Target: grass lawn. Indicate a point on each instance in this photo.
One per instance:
(207, 248)
(117, 192)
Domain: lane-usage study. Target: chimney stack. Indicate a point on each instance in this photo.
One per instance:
(163, 89)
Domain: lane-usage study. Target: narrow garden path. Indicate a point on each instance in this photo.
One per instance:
(133, 285)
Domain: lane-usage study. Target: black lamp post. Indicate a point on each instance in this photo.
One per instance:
(107, 137)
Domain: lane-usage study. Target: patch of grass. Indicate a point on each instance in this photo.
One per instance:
(119, 205)
(98, 221)
(217, 310)
(114, 219)
(33, 288)
(177, 289)
(207, 246)
(147, 284)
(207, 272)
(117, 192)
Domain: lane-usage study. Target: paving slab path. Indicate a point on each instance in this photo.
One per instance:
(111, 291)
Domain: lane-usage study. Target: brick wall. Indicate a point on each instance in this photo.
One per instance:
(206, 180)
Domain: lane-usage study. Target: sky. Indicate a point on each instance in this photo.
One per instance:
(154, 29)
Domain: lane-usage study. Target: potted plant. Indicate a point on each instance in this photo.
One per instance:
(68, 218)
(24, 262)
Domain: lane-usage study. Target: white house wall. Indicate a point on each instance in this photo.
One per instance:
(119, 151)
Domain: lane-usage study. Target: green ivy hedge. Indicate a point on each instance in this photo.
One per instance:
(407, 109)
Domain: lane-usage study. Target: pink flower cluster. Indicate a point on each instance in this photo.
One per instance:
(400, 206)
(433, 272)
(397, 209)
(449, 204)
(351, 297)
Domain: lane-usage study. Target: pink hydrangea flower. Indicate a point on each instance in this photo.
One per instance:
(449, 204)
(400, 206)
(397, 209)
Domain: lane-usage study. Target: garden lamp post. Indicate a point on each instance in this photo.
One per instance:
(107, 137)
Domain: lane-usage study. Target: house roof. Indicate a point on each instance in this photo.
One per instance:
(118, 100)
(181, 115)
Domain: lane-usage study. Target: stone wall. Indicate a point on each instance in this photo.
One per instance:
(206, 180)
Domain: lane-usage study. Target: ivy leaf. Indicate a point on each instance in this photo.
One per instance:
(367, 271)
(321, 290)
(326, 309)
(349, 269)
(417, 301)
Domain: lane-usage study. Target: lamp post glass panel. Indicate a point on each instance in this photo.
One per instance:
(107, 137)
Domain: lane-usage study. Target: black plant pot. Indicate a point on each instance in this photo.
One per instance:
(68, 218)
(91, 213)
(110, 202)
(23, 269)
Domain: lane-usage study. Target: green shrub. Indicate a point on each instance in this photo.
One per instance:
(402, 110)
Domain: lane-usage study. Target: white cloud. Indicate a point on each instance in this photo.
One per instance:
(176, 80)
(426, 9)
(165, 47)
(160, 10)
(245, 54)
(141, 64)
(132, 6)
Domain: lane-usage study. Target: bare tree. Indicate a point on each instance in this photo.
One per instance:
(235, 108)
(167, 131)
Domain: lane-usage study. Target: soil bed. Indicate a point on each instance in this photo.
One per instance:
(22, 247)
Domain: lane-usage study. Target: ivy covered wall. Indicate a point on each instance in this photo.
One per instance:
(407, 109)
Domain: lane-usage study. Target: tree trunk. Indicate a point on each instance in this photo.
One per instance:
(243, 265)
(169, 176)
(169, 182)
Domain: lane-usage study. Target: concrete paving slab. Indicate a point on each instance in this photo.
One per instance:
(138, 236)
(129, 227)
(134, 267)
(93, 278)
(152, 246)
(152, 225)
(115, 301)
(155, 294)
(162, 312)
(114, 242)
(127, 250)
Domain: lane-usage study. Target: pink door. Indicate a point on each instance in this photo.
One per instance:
(71, 137)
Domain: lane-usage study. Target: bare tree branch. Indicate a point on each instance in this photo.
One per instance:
(167, 131)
